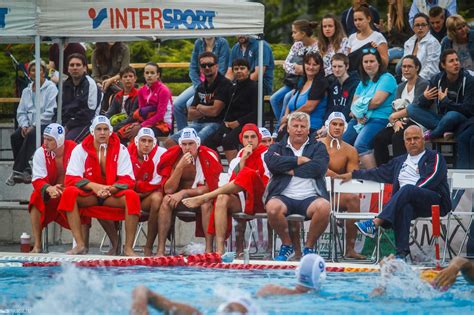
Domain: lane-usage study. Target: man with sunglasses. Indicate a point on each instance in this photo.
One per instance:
(207, 110)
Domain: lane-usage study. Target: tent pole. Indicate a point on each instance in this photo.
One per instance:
(60, 83)
(38, 90)
(260, 81)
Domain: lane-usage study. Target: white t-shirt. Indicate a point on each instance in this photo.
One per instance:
(409, 96)
(300, 188)
(355, 43)
(410, 174)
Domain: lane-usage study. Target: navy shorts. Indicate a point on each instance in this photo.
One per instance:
(297, 206)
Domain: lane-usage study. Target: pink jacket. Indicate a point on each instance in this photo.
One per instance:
(160, 96)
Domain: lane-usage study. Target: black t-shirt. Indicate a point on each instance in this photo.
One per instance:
(206, 94)
(243, 102)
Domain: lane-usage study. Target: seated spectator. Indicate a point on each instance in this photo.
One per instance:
(407, 92)
(212, 96)
(419, 180)
(23, 140)
(424, 6)
(188, 169)
(155, 106)
(49, 167)
(243, 192)
(298, 166)
(343, 158)
(241, 109)
(371, 106)
(397, 30)
(452, 91)
(81, 99)
(331, 40)
(217, 45)
(69, 49)
(424, 46)
(100, 173)
(438, 22)
(311, 97)
(145, 155)
(304, 42)
(124, 103)
(365, 37)
(347, 17)
(461, 38)
(247, 48)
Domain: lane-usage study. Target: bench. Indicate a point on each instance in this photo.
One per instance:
(447, 148)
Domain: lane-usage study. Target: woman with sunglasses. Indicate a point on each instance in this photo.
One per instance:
(372, 104)
(424, 46)
(311, 97)
(461, 38)
(365, 37)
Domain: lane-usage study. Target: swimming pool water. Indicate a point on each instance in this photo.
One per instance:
(72, 290)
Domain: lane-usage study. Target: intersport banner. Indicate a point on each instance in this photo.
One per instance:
(139, 18)
(17, 18)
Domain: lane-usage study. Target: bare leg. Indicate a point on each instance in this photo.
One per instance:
(85, 234)
(318, 211)
(35, 217)
(230, 154)
(351, 202)
(227, 189)
(74, 220)
(152, 203)
(225, 205)
(240, 237)
(206, 216)
(164, 223)
(276, 211)
(112, 233)
(295, 235)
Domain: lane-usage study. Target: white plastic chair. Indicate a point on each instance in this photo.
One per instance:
(354, 186)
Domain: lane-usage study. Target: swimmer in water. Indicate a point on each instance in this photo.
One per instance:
(448, 275)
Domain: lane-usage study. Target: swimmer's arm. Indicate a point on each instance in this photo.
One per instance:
(271, 289)
(143, 296)
(353, 160)
(172, 183)
(331, 173)
(447, 277)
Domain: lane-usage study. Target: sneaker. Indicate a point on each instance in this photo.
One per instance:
(308, 250)
(448, 136)
(367, 228)
(427, 135)
(286, 253)
(10, 181)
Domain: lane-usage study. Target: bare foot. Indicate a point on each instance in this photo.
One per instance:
(353, 254)
(147, 252)
(160, 254)
(129, 252)
(36, 250)
(194, 202)
(78, 250)
(112, 251)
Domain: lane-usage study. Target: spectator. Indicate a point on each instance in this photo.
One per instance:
(23, 140)
(365, 37)
(438, 22)
(81, 99)
(240, 110)
(69, 49)
(331, 40)
(210, 99)
(461, 38)
(311, 96)
(247, 48)
(298, 165)
(301, 32)
(347, 17)
(452, 90)
(108, 59)
(419, 180)
(407, 91)
(397, 30)
(424, 46)
(371, 105)
(125, 102)
(424, 6)
(216, 45)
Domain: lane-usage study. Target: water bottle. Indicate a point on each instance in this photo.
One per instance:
(25, 240)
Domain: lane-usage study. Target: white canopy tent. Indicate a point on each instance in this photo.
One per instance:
(121, 20)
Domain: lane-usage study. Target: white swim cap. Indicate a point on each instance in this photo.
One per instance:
(264, 132)
(336, 115)
(55, 131)
(145, 132)
(246, 302)
(189, 134)
(100, 120)
(311, 271)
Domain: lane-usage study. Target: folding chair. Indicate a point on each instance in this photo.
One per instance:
(460, 182)
(180, 214)
(250, 220)
(291, 218)
(354, 186)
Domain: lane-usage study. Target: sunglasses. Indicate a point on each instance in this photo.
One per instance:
(369, 51)
(207, 65)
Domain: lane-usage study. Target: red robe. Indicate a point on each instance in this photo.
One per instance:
(84, 167)
(146, 175)
(253, 179)
(211, 169)
(45, 174)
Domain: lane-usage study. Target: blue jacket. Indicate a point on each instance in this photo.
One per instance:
(281, 159)
(433, 175)
(220, 49)
(447, 43)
